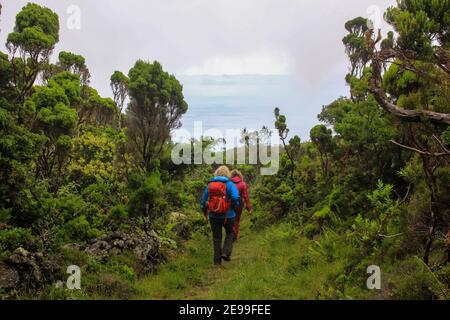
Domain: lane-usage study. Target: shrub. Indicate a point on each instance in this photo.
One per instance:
(175, 194)
(78, 229)
(148, 199)
(111, 286)
(413, 280)
(11, 239)
(310, 230)
(117, 218)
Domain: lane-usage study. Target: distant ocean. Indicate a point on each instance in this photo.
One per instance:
(248, 101)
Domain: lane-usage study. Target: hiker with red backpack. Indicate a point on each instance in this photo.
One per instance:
(219, 203)
(238, 179)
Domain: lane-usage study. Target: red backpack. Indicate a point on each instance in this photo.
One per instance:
(217, 198)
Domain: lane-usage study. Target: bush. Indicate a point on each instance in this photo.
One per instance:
(310, 230)
(117, 218)
(111, 286)
(5, 215)
(413, 280)
(176, 195)
(78, 229)
(148, 199)
(11, 239)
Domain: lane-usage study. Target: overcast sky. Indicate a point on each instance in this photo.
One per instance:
(301, 38)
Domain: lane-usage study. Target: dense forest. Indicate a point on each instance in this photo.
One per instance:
(89, 181)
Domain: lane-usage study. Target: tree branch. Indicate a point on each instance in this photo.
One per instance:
(425, 153)
(376, 89)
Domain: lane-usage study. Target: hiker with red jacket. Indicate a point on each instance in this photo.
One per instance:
(238, 179)
(219, 203)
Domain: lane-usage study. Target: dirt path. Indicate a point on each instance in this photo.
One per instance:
(193, 276)
(220, 278)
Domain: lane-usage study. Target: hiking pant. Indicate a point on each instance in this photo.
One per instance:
(216, 228)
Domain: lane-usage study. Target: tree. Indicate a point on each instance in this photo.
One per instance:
(35, 35)
(6, 76)
(355, 44)
(119, 87)
(422, 47)
(322, 137)
(92, 109)
(409, 78)
(283, 131)
(18, 149)
(75, 64)
(155, 109)
(56, 120)
(96, 110)
(18, 145)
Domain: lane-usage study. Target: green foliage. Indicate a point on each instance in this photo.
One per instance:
(382, 221)
(355, 44)
(176, 195)
(73, 167)
(117, 217)
(446, 137)
(419, 23)
(157, 98)
(78, 230)
(93, 155)
(413, 280)
(322, 137)
(36, 33)
(11, 239)
(6, 74)
(148, 199)
(36, 27)
(323, 213)
(72, 62)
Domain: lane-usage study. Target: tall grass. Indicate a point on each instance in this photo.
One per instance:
(276, 263)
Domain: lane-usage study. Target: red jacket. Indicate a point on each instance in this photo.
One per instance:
(242, 188)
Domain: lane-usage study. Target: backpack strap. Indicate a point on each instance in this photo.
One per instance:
(228, 200)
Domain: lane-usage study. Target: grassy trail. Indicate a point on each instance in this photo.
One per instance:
(271, 264)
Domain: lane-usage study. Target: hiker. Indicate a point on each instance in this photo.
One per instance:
(219, 202)
(238, 179)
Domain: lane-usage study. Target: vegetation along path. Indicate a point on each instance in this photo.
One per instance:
(269, 264)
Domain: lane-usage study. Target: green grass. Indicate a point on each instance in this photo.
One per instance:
(276, 263)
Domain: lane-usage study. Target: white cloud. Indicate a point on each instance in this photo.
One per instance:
(262, 62)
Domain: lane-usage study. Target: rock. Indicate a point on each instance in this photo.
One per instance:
(59, 284)
(73, 246)
(145, 246)
(26, 268)
(181, 225)
(176, 217)
(20, 255)
(9, 277)
(26, 264)
(120, 244)
(51, 268)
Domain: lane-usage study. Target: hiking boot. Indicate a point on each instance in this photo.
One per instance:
(226, 258)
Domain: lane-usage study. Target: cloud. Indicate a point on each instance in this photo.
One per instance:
(263, 62)
(299, 37)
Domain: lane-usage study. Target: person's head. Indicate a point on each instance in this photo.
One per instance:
(222, 171)
(237, 173)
